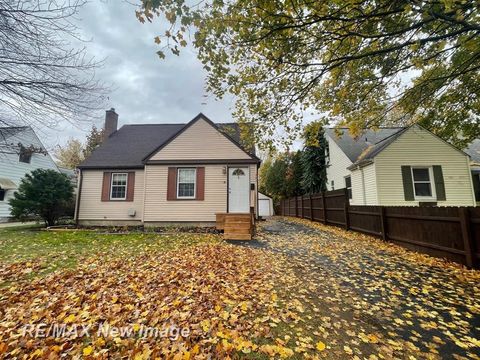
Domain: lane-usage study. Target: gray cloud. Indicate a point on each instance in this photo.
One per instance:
(145, 89)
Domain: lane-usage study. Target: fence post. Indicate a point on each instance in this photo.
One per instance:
(346, 205)
(347, 218)
(311, 207)
(303, 207)
(383, 222)
(324, 204)
(296, 206)
(466, 235)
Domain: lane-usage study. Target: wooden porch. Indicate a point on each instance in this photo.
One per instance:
(236, 226)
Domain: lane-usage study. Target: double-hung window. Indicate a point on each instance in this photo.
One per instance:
(422, 183)
(186, 183)
(118, 189)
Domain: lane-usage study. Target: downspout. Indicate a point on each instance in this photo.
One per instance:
(79, 192)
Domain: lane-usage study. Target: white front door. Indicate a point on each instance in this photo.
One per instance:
(238, 190)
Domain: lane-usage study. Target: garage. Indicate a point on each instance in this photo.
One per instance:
(265, 205)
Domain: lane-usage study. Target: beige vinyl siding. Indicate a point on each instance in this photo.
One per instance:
(158, 209)
(418, 147)
(93, 208)
(200, 141)
(364, 186)
(358, 195)
(369, 176)
(337, 169)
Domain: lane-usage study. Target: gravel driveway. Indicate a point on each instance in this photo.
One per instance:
(370, 298)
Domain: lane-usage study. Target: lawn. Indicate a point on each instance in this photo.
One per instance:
(38, 252)
(301, 290)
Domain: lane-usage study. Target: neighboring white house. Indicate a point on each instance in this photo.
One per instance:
(265, 205)
(17, 159)
(473, 150)
(407, 166)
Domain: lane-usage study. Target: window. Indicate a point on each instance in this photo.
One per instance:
(332, 185)
(422, 182)
(348, 185)
(186, 183)
(2, 194)
(238, 172)
(118, 189)
(25, 156)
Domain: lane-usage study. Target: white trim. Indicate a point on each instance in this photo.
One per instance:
(194, 183)
(431, 182)
(126, 186)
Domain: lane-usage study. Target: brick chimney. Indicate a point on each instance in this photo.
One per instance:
(111, 123)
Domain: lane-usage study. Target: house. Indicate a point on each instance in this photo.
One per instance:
(21, 152)
(157, 174)
(473, 150)
(408, 166)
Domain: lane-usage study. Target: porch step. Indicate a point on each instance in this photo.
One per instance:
(237, 226)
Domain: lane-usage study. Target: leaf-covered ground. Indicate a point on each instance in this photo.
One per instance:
(301, 290)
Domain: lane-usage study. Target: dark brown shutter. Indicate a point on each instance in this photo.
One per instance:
(107, 176)
(172, 184)
(130, 186)
(200, 183)
(407, 183)
(439, 183)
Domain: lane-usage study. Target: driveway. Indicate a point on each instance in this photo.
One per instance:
(372, 299)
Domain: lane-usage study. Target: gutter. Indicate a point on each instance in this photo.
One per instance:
(359, 165)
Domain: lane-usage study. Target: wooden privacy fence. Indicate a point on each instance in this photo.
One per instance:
(447, 232)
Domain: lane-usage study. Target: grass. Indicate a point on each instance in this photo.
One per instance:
(43, 252)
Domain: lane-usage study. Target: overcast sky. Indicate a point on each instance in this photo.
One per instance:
(145, 89)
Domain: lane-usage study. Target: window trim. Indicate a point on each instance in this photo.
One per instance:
(111, 186)
(350, 193)
(194, 184)
(431, 182)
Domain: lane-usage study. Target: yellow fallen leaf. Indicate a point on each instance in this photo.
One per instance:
(320, 346)
(88, 350)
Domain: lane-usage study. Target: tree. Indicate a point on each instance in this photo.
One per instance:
(70, 155)
(94, 139)
(275, 179)
(43, 79)
(42, 193)
(349, 61)
(294, 174)
(314, 176)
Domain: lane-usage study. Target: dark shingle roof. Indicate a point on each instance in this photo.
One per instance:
(127, 147)
(474, 150)
(374, 141)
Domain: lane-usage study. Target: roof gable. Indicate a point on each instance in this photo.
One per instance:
(201, 139)
(372, 151)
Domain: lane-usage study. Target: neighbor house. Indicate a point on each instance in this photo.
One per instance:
(21, 152)
(473, 150)
(407, 166)
(157, 174)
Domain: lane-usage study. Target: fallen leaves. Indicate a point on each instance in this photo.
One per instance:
(303, 292)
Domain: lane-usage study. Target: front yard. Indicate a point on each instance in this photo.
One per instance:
(301, 290)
